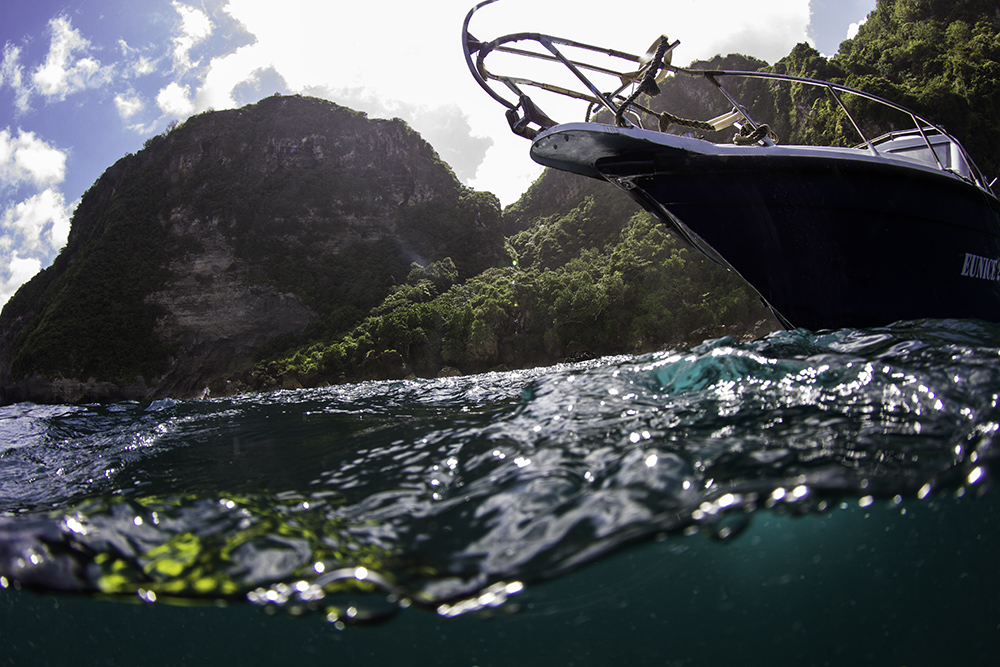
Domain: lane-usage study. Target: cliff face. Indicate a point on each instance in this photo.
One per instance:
(216, 312)
(271, 225)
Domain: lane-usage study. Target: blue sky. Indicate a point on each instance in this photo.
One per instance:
(83, 82)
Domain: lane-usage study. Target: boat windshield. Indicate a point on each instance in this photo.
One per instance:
(933, 150)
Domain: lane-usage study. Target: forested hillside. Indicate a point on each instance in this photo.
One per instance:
(589, 273)
(599, 277)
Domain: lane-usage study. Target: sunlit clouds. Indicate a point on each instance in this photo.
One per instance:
(12, 76)
(31, 230)
(25, 158)
(34, 215)
(128, 106)
(68, 68)
(41, 222)
(175, 100)
(854, 28)
(195, 27)
(19, 270)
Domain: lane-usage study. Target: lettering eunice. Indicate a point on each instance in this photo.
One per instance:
(984, 268)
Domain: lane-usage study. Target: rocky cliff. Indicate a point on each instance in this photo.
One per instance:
(235, 232)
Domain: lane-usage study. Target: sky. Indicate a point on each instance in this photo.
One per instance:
(84, 82)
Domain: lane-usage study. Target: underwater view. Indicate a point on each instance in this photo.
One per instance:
(807, 498)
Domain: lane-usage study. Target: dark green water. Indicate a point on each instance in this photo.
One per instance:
(808, 499)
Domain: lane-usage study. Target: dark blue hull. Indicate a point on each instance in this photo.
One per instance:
(828, 241)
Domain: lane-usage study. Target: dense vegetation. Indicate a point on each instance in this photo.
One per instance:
(588, 273)
(940, 57)
(599, 278)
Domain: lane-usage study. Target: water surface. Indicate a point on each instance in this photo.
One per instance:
(821, 498)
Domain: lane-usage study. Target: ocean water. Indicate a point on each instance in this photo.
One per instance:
(804, 499)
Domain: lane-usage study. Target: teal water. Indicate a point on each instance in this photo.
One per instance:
(809, 498)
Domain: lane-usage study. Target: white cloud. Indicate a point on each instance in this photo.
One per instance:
(128, 106)
(12, 74)
(139, 65)
(175, 100)
(28, 159)
(854, 28)
(224, 74)
(41, 222)
(35, 228)
(18, 270)
(195, 28)
(62, 74)
(143, 66)
(769, 32)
